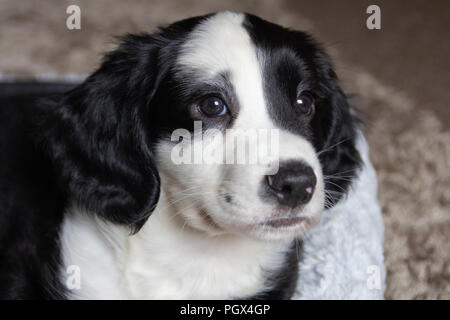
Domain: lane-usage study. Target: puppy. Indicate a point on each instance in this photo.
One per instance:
(94, 206)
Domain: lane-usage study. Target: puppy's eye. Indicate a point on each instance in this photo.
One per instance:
(212, 107)
(305, 103)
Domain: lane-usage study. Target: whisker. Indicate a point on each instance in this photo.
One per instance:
(333, 146)
(338, 178)
(334, 184)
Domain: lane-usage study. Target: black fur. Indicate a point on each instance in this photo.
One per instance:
(92, 144)
(31, 203)
(283, 282)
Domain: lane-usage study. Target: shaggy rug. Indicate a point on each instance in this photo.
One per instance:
(400, 89)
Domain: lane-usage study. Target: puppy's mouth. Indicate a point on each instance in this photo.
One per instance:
(276, 226)
(286, 222)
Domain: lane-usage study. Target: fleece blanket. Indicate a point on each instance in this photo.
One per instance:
(343, 255)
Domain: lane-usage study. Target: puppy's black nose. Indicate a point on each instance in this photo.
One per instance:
(293, 184)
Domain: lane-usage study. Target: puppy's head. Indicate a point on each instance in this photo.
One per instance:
(218, 78)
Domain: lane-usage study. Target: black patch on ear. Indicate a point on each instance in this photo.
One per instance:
(335, 132)
(98, 135)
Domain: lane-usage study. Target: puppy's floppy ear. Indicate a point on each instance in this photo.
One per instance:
(335, 129)
(97, 135)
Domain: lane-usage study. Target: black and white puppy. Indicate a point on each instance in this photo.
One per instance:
(87, 181)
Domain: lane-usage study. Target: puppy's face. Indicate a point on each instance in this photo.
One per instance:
(236, 84)
(266, 103)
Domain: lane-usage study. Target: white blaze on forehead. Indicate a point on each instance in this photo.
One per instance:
(222, 44)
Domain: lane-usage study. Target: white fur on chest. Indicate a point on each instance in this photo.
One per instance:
(165, 260)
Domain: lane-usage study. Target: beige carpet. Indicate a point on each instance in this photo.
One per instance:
(399, 75)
